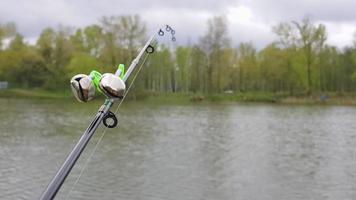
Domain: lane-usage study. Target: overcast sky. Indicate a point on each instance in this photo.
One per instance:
(249, 20)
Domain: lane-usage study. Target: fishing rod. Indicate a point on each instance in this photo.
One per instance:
(114, 88)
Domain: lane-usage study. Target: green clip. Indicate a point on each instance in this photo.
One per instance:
(95, 76)
(121, 71)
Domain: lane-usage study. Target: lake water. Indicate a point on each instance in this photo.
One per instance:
(173, 152)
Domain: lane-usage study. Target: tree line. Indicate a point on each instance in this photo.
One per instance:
(299, 62)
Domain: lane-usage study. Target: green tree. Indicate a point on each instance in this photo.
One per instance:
(182, 64)
(93, 36)
(212, 43)
(6, 30)
(122, 36)
(311, 39)
(56, 50)
(305, 37)
(273, 67)
(248, 67)
(198, 70)
(81, 63)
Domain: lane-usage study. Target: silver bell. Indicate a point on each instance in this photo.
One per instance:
(112, 86)
(82, 87)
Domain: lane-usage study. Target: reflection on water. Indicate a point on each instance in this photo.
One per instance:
(173, 152)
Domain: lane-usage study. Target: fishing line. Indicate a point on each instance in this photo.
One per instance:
(105, 129)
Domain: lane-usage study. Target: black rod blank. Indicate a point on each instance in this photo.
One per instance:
(57, 181)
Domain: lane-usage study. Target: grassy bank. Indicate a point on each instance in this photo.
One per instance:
(185, 98)
(257, 97)
(33, 93)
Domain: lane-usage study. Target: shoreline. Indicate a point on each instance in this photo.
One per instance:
(184, 98)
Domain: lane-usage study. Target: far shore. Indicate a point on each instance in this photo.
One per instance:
(182, 98)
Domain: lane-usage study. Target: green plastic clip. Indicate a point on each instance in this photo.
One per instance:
(121, 71)
(95, 76)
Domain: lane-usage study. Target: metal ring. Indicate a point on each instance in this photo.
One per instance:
(150, 49)
(174, 39)
(173, 31)
(168, 28)
(110, 115)
(160, 32)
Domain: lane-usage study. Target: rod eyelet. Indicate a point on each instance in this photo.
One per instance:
(168, 28)
(150, 49)
(110, 115)
(160, 32)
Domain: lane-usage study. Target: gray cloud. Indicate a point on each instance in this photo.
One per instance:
(327, 10)
(249, 20)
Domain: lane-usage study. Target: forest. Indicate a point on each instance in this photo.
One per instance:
(299, 62)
